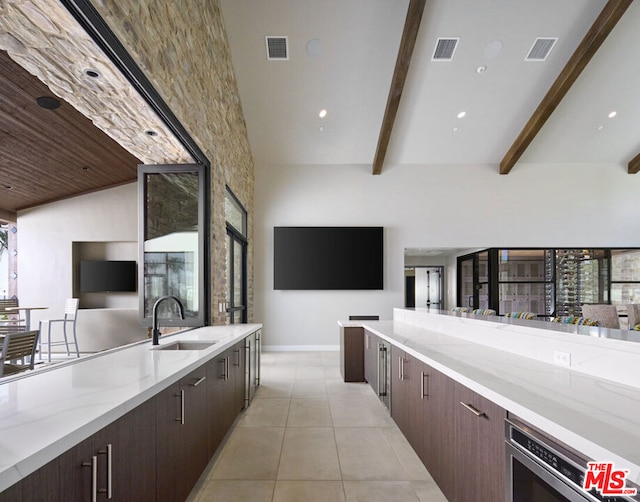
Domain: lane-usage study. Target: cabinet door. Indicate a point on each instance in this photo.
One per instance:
(193, 440)
(216, 414)
(126, 452)
(371, 360)
(168, 423)
(242, 389)
(437, 448)
(480, 458)
(46, 480)
(400, 390)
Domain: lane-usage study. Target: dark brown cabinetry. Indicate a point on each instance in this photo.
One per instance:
(479, 447)
(182, 451)
(458, 434)
(158, 450)
(352, 353)
(111, 464)
(225, 393)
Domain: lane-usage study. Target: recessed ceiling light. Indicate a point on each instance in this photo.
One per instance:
(90, 72)
(321, 128)
(481, 69)
(7, 187)
(600, 127)
(151, 132)
(455, 129)
(461, 114)
(48, 102)
(322, 114)
(613, 114)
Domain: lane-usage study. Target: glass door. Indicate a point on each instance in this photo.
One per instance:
(236, 245)
(468, 294)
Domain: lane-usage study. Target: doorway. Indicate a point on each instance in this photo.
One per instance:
(424, 287)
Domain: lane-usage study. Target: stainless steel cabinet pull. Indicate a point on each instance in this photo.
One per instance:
(199, 381)
(476, 412)
(223, 375)
(94, 477)
(237, 351)
(422, 386)
(366, 340)
(400, 368)
(181, 419)
(109, 453)
(226, 368)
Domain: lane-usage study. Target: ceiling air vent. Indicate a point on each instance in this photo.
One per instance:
(540, 49)
(445, 48)
(277, 48)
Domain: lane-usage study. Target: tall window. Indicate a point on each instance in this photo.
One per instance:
(236, 244)
(172, 236)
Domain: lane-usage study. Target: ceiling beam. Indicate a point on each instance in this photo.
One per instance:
(407, 44)
(634, 165)
(590, 44)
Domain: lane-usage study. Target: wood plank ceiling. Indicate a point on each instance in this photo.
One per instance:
(48, 155)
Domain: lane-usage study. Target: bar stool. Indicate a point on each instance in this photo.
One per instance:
(70, 316)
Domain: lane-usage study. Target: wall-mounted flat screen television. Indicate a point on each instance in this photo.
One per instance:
(107, 276)
(328, 258)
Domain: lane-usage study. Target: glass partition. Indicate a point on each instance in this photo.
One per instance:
(172, 243)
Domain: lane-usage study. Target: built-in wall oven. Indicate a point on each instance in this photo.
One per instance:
(541, 470)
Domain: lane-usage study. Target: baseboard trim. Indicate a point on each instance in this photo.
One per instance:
(300, 348)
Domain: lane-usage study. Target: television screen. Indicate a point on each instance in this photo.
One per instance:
(102, 276)
(328, 258)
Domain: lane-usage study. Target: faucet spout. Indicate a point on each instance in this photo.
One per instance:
(155, 332)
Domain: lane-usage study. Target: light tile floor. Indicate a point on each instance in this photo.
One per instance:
(308, 436)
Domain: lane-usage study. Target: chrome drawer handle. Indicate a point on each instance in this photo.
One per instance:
(476, 412)
(199, 381)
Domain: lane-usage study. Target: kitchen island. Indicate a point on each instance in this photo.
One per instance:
(48, 412)
(577, 384)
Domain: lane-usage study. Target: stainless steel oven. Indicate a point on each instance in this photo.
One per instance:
(541, 470)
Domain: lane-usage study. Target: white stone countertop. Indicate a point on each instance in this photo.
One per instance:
(599, 417)
(51, 410)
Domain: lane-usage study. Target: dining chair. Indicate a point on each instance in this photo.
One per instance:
(606, 314)
(521, 315)
(18, 346)
(572, 319)
(69, 318)
(633, 312)
(9, 316)
(483, 312)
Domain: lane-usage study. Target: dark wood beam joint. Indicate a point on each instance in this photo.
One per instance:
(603, 25)
(634, 165)
(407, 44)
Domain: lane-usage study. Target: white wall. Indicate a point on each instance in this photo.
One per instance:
(428, 207)
(45, 236)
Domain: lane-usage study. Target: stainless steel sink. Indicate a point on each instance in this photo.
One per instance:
(186, 345)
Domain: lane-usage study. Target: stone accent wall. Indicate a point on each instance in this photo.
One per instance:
(182, 48)
(42, 37)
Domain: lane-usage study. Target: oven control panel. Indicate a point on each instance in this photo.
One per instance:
(562, 465)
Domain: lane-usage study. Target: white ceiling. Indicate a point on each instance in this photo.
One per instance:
(352, 74)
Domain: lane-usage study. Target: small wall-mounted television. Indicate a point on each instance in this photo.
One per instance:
(316, 258)
(107, 276)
